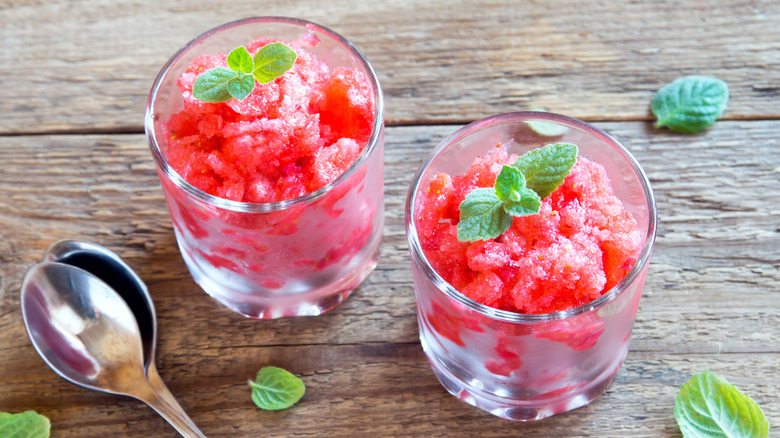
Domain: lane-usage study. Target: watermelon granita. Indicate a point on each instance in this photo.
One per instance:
(531, 314)
(287, 138)
(257, 184)
(579, 245)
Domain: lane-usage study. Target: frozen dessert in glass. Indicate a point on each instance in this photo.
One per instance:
(536, 318)
(276, 195)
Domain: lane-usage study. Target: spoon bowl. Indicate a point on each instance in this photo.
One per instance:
(110, 268)
(88, 335)
(79, 327)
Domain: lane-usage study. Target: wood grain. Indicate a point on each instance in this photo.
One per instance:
(710, 300)
(75, 76)
(87, 66)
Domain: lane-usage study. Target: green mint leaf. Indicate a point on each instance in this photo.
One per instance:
(690, 104)
(272, 61)
(710, 407)
(221, 84)
(546, 168)
(240, 60)
(241, 85)
(518, 199)
(28, 424)
(212, 85)
(276, 388)
(509, 181)
(482, 216)
(546, 129)
(486, 213)
(523, 203)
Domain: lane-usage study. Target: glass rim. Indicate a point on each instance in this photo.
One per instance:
(418, 255)
(252, 207)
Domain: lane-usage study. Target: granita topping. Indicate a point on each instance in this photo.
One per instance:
(287, 138)
(580, 244)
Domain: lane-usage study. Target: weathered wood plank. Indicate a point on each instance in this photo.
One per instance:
(386, 390)
(710, 302)
(438, 61)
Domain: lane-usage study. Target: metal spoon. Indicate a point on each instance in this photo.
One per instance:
(89, 336)
(110, 268)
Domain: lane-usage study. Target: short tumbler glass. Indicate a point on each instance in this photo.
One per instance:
(298, 257)
(519, 366)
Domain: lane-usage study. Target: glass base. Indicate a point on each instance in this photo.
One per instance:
(305, 299)
(528, 409)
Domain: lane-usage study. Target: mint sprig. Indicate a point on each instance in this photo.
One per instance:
(276, 388)
(240, 60)
(27, 424)
(710, 407)
(237, 80)
(690, 104)
(482, 216)
(488, 212)
(545, 168)
(518, 199)
(272, 61)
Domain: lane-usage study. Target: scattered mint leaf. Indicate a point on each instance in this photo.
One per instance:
(546, 168)
(482, 216)
(240, 86)
(220, 84)
(276, 388)
(546, 129)
(28, 424)
(272, 61)
(690, 104)
(212, 85)
(240, 60)
(710, 407)
(487, 212)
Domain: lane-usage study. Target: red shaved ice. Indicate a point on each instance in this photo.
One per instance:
(580, 244)
(287, 138)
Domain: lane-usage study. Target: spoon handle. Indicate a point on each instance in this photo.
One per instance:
(159, 387)
(161, 400)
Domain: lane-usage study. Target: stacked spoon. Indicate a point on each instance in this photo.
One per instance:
(92, 320)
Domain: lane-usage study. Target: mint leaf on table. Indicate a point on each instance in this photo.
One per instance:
(276, 388)
(546, 168)
(487, 212)
(710, 407)
(28, 424)
(690, 104)
(546, 129)
(237, 80)
(272, 61)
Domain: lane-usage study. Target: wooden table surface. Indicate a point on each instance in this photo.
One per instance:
(75, 77)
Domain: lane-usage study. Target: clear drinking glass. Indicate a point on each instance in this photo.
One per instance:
(520, 366)
(298, 257)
